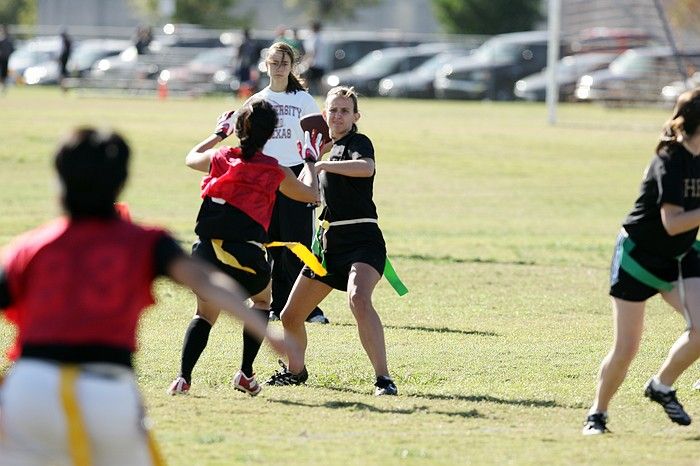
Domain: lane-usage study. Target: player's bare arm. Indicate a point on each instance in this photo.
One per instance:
(303, 190)
(677, 220)
(199, 157)
(224, 293)
(362, 168)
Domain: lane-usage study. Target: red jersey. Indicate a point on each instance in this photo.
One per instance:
(249, 185)
(81, 282)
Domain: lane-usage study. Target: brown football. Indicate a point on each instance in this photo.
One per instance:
(315, 121)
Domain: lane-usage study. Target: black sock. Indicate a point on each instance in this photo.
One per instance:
(383, 381)
(196, 338)
(251, 346)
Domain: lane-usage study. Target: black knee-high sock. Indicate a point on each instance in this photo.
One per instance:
(251, 346)
(196, 338)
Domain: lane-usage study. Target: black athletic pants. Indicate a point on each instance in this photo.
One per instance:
(291, 221)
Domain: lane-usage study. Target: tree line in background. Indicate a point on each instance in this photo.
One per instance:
(455, 16)
(17, 11)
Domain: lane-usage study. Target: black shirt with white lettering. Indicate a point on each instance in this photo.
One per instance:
(350, 198)
(673, 177)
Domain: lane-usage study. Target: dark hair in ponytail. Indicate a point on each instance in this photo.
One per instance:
(684, 122)
(294, 82)
(254, 126)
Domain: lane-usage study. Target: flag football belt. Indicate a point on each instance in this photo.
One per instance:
(299, 250)
(637, 271)
(389, 272)
(76, 429)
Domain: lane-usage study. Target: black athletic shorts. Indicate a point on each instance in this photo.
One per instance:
(338, 265)
(247, 254)
(624, 286)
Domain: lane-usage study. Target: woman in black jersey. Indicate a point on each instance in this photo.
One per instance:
(353, 246)
(655, 253)
(238, 194)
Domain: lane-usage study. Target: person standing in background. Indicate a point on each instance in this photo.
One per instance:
(315, 59)
(66, 47)
(144, 37)
(7, 46)
(246, 58)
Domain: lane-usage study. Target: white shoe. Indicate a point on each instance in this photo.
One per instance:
(696, 385)
(245, 384)
(179, 387)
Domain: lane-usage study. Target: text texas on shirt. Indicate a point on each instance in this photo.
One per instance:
(283, 131)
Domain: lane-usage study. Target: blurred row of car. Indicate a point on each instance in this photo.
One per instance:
(608, 65)
(603, 64)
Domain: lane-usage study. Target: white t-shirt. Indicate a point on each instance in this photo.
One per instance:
(290, 107)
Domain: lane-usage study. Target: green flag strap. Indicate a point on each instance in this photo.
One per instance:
(393, 278)
(632, 267)
(316, 246)
(389, 272)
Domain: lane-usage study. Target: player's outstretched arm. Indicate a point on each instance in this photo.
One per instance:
(305, 190)
(360, 168)
(199, 157)
(677, 220)
(220, 290)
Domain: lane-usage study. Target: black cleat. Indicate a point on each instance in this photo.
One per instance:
(670, 403)
(595, 424)
(284, 377)
(385, 386)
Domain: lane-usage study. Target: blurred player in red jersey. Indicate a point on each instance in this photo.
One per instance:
(239, 195)
(75, 289)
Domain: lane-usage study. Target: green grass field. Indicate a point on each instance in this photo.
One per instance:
(501, 226)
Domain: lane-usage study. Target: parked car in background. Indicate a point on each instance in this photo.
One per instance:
(492, 70)
(343, 50)
(81, 60)
(203, 69)
(636, 75)
(568, 70)
(89, 52)
(378, 64)
(613, 40)
(32, 53)
(672, 91)
(419, 83)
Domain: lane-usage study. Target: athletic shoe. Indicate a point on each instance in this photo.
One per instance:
(696, 385)
(284, 377)
(272, 316)
(246, 384)
(385, 386)
(318, 319)
(595, 424)
(670, 403)
(179, 387)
